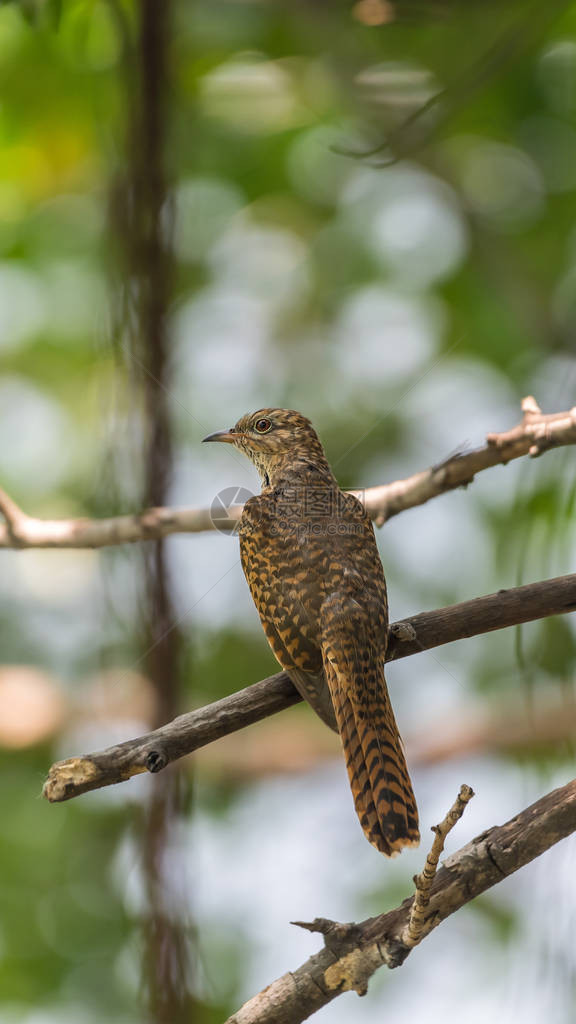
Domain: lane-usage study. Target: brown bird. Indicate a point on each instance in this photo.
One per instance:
(310, 558)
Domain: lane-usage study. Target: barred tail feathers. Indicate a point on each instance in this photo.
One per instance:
(379, 779)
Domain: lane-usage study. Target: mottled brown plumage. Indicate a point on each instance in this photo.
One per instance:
(311, 561)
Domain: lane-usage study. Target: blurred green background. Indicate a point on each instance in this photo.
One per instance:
(406, 301)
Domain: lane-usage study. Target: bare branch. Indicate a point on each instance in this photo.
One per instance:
(417, 929)
(534, 435)
(353, 952)
(152, 752)
(23, 531)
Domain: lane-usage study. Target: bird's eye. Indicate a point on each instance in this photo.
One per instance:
(263, 425)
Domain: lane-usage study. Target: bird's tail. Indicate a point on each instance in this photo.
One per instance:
(379, 778)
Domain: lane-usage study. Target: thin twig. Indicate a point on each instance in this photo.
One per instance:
(417, 929)
(535, 434)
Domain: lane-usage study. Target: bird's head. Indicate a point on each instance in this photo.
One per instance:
(275, 440)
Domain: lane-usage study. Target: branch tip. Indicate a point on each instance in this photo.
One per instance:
(530, 407)
(418, 923)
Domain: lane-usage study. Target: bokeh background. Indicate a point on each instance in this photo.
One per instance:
(210, 207)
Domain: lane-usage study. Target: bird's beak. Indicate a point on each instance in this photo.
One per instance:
(221, 435)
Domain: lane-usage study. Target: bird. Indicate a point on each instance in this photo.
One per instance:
(311, 561)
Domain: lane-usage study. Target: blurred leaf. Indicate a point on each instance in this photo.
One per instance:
(503, 920)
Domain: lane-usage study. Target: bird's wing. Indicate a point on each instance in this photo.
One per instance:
(312, 687)
(285, 590)
(291, 632)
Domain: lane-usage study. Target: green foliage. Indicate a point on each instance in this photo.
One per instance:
(63, 920)
(502, 919)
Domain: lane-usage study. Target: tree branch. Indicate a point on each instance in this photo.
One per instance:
(535, 434)
(353, 952)
(152, 752)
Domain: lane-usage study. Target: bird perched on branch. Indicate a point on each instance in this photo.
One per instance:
(310, 558)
